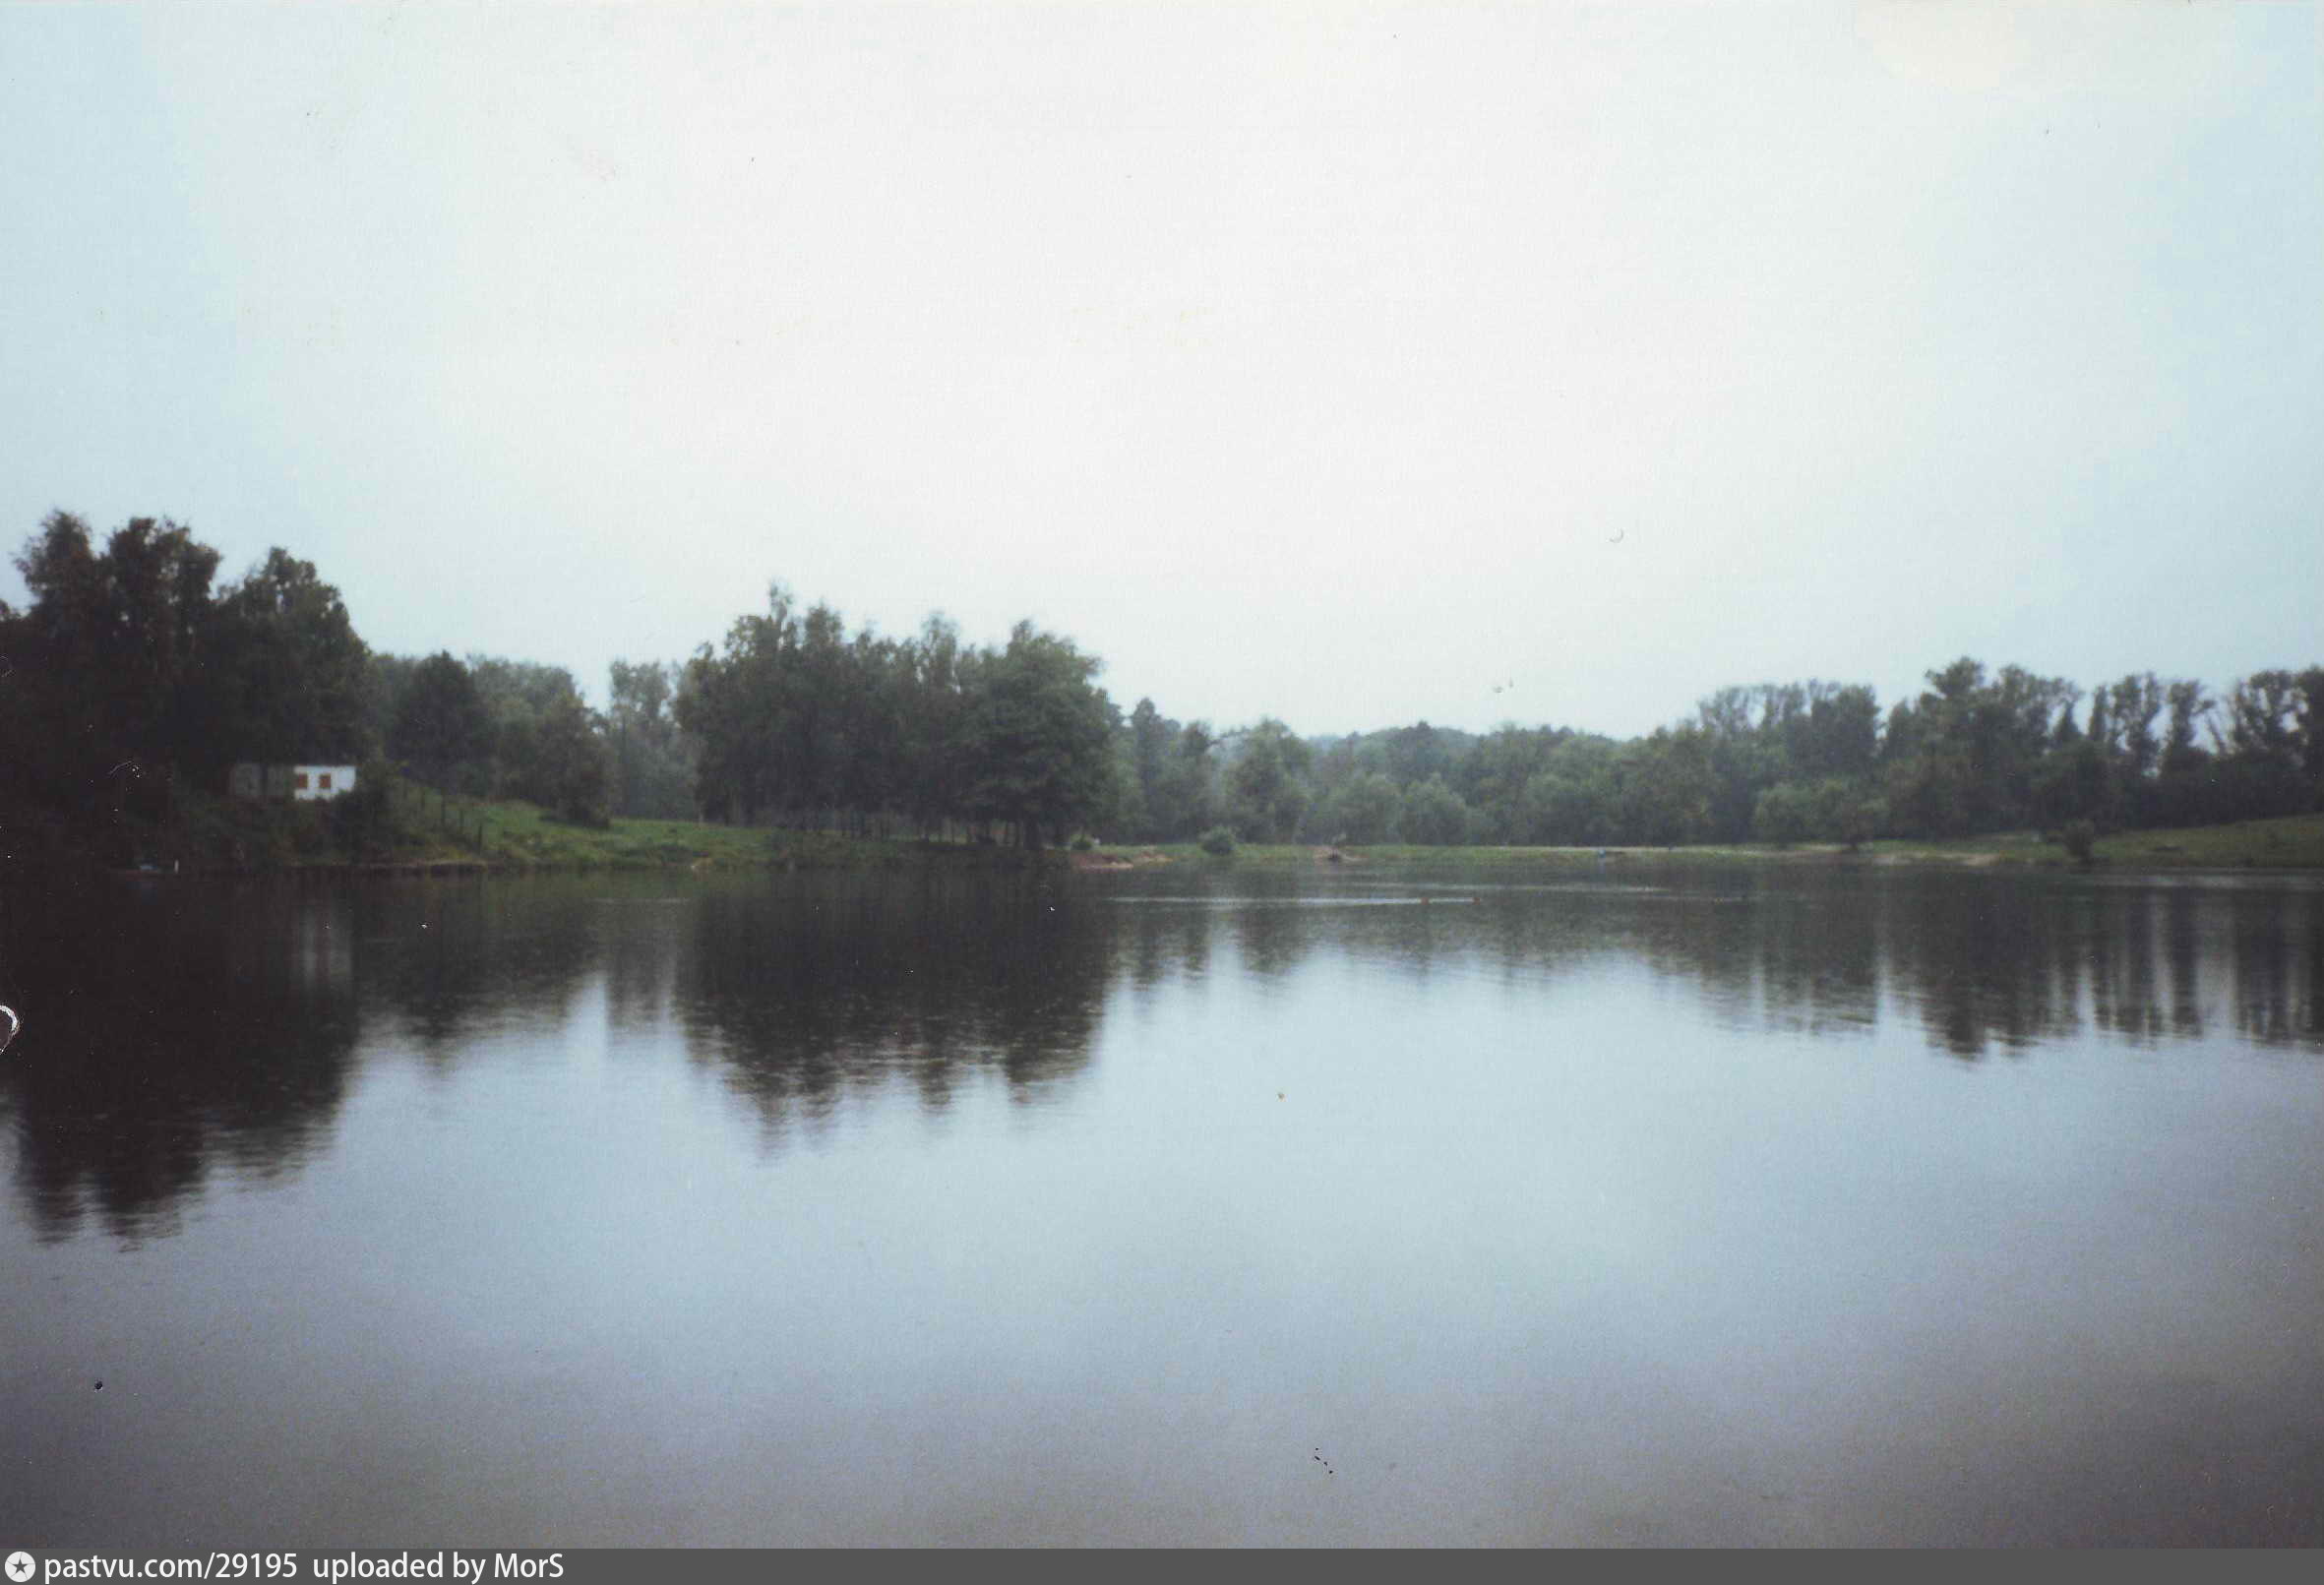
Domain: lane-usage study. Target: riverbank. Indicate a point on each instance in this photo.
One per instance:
(2293, 843)
(511, 836)
(522, 836)
(408, 835)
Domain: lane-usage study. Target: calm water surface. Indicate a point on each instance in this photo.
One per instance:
(1816, 1206)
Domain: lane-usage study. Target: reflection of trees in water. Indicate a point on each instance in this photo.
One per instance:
(1157, 948)
(1156, 942)
(2125, 996)
(1989, 960)
(818, 988)
(1981, 959)
(1984, 962)
(2184, 939)
(172, 1028)
(1803, 959)
(169, 1025)
(449, 959)
(1270, 941)
(642, 938)
(2280, 966)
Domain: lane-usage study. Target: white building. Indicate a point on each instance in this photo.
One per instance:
(299, 783)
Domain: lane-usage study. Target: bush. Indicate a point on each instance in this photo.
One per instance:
(1219, 842)
(1434, 815)
(1085, 843)
(1784, 815)
(2080, 836)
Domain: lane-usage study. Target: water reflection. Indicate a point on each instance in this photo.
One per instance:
(177, 1029)
(1982, 963)
(444, 962)
(170, 1032)
(827, 989)
(1746, 1206)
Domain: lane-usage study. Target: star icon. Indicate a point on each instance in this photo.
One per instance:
(20, 1566)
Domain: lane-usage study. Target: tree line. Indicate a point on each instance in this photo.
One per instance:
(136, 678)
(801, 724)
(1975, 752)
(135, 672)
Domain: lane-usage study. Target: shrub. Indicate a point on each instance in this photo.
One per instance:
(1434, 815)
(1784, 815)
(2080, 836)
(1085, 843)
(1219, 842)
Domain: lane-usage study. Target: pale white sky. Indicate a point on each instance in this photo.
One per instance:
(1330, 361)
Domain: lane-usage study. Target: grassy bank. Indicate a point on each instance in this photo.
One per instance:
(2293, 843)
(518, 835)
(404, 829)
(407, 833)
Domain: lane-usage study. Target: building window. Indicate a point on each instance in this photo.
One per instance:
(299, 780)
(325, 782)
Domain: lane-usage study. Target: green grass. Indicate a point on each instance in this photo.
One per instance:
(526, 835)
(408, 830)
(522, 835)
(2296, 843)
(2293, 842)
(213, 833)
(1405, 854)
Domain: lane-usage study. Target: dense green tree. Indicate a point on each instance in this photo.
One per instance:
(1149, 792)
(935, 727)
(1964, 756)
(1576, 800)
(2137, 701)
(2264, 755)
(1846, 811)
(1434, 815)
(1843, 732)
(1493, 776)
(439, 725)
(1362, 810)
(1266, 795)
(1038, 737)
(2074, 783)
(737, 703)
(1415, 753)
(571, 761)
(520, 696)
(1666, 787)
(653, 756)
(2262, 715)
(2190, 706)
(291, 674)
(111, 699)
(113, 654)
(2310, 721)
(1786, 814)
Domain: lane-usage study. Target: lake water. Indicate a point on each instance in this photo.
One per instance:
(1789, 1206)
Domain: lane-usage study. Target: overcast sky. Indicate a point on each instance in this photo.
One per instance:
(1325, 361)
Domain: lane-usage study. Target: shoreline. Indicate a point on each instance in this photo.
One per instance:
(2292, 845)
(522, 843)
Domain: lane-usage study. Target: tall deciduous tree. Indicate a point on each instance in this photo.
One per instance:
(291, 669)
(1265, 791)
(653, 758)
(571, 761)
(109, 667)
(440, 723)
(1038, 736)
